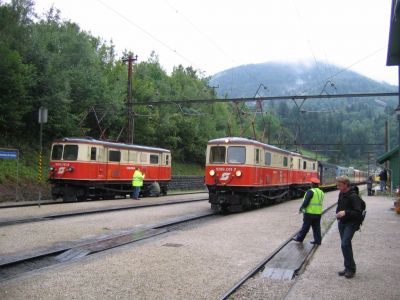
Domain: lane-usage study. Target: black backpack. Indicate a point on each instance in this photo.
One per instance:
(364, 210)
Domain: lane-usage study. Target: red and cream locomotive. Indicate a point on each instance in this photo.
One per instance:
(82, 168)
(243, 173)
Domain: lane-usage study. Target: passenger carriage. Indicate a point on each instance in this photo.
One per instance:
(83, 168)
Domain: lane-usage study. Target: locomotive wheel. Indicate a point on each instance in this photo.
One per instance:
(69, 195)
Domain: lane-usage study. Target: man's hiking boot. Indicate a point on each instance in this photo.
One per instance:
(349, 274)
(342, 273)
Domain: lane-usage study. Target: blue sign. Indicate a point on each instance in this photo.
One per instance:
(8, 154)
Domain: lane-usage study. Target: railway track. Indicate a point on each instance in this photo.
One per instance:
(262, 264)
(12, 266)
(13, 221)
(46, 202)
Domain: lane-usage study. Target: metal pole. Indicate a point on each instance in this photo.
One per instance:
(16, 188)
(40, 164)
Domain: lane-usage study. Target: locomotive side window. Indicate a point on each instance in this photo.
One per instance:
(237, 155)
(56, 153)
(125, 155)
(143, 157)
(93, 152)
(167, 159)
(70, 152)
(304, 165)
(154, 159)
(285, 161)
(267, 158)
(114, 156)
(217, 154)
(256, 156)
(133, 156)
(313, 166)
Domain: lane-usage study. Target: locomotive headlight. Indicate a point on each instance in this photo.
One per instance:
(51, 169)
(212, 172)
(238, 173)
(70, 169)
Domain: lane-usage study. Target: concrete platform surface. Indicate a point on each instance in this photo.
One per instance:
(376, 252)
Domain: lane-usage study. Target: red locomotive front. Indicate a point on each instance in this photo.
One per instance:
(89, 168)
(243, 173)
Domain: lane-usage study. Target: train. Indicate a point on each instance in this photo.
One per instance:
(82, 168)
(241, 174)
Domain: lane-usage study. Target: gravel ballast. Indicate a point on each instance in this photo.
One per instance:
(213, 255)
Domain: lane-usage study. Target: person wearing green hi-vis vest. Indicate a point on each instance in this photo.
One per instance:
(137, 182)
(312, 210)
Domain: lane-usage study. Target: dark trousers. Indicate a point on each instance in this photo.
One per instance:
(314, 221)
(347, 231)
(136, 192)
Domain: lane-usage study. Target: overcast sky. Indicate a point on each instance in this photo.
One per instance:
(214, 35)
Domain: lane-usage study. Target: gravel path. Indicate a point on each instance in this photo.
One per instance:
(34, 211)
(44, 234)
(214, 254)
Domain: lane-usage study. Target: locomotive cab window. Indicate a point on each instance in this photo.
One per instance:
(70, 152)
(217, 154)
(257, 156)
(154, 159)
(267, 158)
(236, 155)
(93, 152)
(114, 156)
(56, 153)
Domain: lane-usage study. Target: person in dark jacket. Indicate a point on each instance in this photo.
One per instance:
(348, 214)
(383, 179)
(369, 185)
(312, 209)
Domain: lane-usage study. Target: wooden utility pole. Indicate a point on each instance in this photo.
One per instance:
(130, 127)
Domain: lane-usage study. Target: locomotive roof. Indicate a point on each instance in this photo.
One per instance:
(245, 141)
(109, 144)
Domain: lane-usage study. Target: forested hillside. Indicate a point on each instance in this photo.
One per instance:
(335, 121)
(47, 61)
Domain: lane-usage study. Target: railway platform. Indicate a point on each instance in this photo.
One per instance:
(376, 252)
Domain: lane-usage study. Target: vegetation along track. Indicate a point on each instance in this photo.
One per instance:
(12, 266)
(7, 222)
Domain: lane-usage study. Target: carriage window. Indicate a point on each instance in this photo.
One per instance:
(154, 159)
(285, 161)
(304, 165)
(114, 155)
(93, 151)
(56, 154)
(267, 158)
(236, 155)
(70, 152)
(257, 156)
(217, 154)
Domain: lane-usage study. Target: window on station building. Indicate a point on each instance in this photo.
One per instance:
(56, 153)
(154, 159)
(114, 156)
(236, 155)
(93, 152)
(285, 161)
(70, 152)
(217, 154)
(267, 158)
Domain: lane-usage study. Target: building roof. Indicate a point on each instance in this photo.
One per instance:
(393, 56)
(384, 157)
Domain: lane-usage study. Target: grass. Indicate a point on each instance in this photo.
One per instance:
(179, 168)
